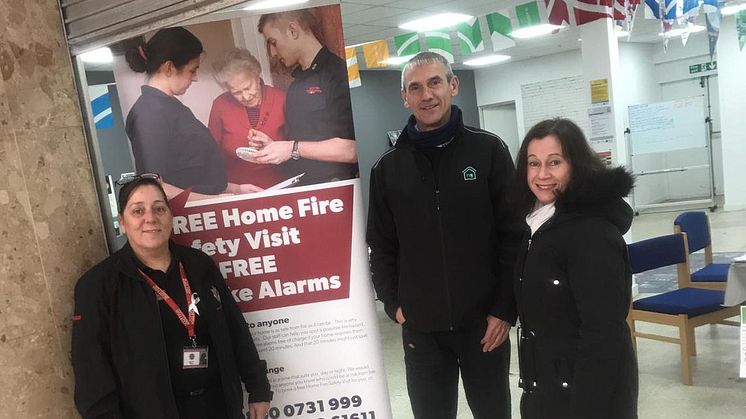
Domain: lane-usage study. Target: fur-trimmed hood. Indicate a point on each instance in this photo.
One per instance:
(600, 194)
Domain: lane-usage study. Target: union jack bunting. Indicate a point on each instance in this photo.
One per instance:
(585, 11)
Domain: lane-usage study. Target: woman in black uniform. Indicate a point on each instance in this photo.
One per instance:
(156, 332)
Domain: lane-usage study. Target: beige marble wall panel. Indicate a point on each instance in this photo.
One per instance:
(50, 227)
(65, 212)
(36, 376)
(34, 63)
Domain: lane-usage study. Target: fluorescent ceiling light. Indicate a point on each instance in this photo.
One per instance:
(487, 60)
(272, 4)
(397, 60)
(732, 10)
(443, 20)
(97, 56)
(534, 31)
(680, 31)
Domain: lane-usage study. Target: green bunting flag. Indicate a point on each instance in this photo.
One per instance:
(528, 14)
(440, 42)
(741, 29)
(500, 27)
(470, 36)
(407, 44)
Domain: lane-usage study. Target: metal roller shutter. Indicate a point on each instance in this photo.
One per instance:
(91, 24)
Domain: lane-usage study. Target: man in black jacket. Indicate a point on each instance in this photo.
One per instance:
(443, 247)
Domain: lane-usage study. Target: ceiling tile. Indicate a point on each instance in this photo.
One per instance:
(373, 14)
(348, 8)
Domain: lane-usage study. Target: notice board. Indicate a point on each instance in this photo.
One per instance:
(666, 126)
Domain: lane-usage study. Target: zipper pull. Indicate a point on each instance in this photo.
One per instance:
(529, 245)
(437, 200)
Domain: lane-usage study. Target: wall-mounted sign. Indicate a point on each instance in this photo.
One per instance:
(702, 67)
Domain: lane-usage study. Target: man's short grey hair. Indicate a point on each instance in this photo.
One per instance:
(425, 58)
(234, 62)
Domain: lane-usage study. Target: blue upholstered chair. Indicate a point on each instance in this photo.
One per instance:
(697, 228)
(686, 307)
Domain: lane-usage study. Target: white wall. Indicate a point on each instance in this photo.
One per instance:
(648, 74)
(731, 70)
(502, 83)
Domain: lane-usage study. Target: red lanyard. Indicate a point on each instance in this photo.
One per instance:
(187, 322)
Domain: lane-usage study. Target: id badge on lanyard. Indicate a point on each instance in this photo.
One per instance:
(194, 356)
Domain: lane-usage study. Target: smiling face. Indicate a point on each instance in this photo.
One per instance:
(428, 93)
(547, 171)
(146, 220)
(246, 89)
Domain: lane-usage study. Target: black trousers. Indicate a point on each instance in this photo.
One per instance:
(209, 404)
(433, 362)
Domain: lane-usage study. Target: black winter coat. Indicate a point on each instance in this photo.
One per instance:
(573, 290)
(118, 349)
(443, 244)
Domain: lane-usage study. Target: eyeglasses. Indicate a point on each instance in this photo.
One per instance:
(131, 177)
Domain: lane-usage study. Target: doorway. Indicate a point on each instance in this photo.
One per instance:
(501, 119)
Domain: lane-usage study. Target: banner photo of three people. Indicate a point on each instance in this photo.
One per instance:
(251, 132)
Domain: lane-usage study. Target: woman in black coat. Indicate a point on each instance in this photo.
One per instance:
(156, 332)
(573, 281)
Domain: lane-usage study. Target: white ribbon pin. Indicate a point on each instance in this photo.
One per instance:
(193, 305)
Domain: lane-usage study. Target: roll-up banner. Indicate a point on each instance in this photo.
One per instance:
(257, 155)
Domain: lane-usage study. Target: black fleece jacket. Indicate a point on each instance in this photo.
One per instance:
(443, 242)
(118, 349)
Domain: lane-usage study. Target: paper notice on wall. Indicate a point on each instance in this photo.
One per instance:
(600, 91)
(602, 124)
(297, 265)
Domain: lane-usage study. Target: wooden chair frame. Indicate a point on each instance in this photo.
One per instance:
(684, 323)
(720, 286)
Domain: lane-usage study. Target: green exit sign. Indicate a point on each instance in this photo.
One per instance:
(699, 68)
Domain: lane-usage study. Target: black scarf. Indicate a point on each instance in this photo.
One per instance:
(438, 136)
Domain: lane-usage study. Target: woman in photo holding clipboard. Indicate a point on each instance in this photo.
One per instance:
(248, 105)
(165, 135)
(156, 332)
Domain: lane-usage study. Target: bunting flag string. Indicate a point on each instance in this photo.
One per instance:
(741, 29)
(375, 53)
(353, 69)
(407, 44)
(440, 42)
(500, 25)
(470, 36)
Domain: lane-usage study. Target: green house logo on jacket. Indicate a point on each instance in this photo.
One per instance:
(469, 173)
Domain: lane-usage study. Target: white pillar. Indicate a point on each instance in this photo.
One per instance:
(731, 70)
(600, 54)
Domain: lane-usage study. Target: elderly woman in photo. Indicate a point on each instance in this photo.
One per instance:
(156, 332)
(247, 106)
(573, 282)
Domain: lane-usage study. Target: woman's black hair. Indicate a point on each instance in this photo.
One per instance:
(582, 159)
(129, 188)
(176, 44)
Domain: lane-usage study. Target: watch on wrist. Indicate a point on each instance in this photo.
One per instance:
(295, 154)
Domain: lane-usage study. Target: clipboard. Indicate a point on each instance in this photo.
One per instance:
(285, 183)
